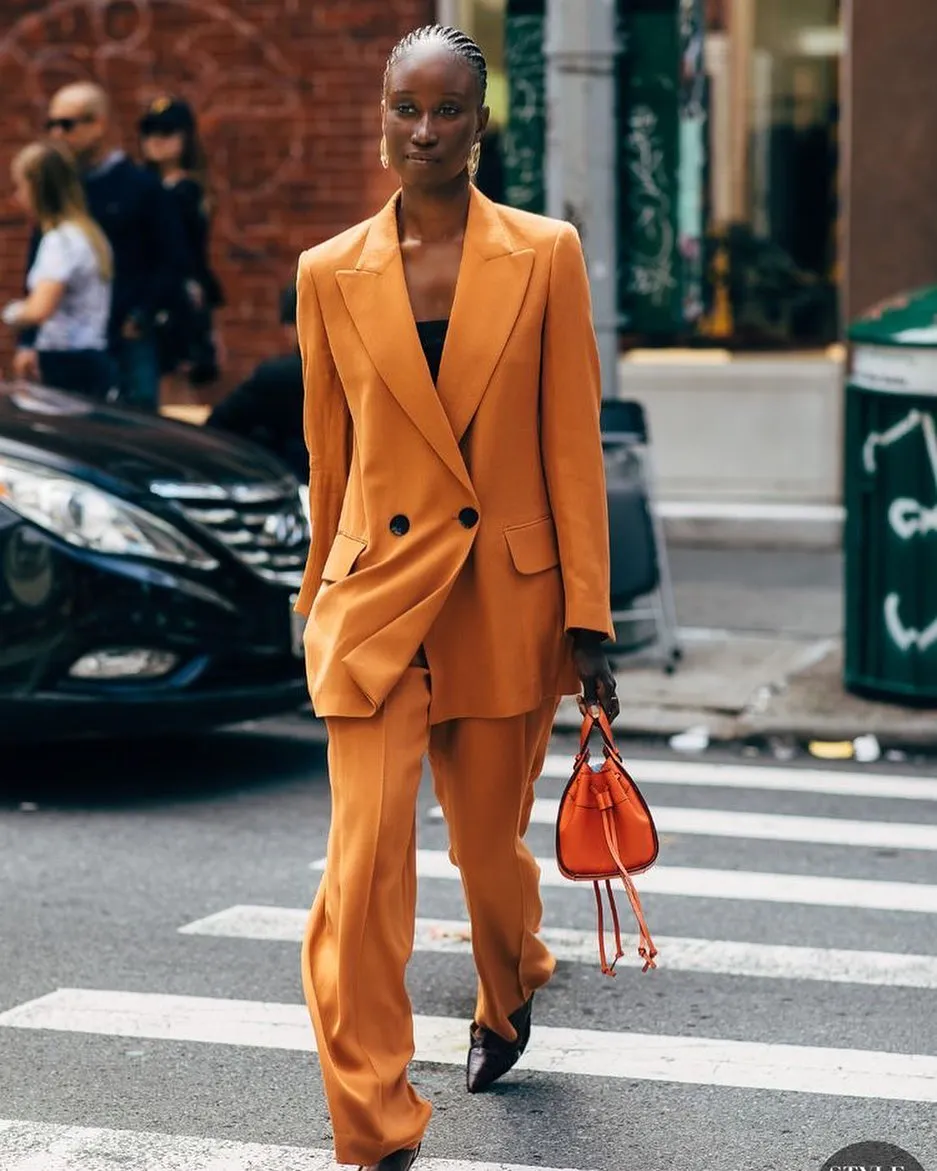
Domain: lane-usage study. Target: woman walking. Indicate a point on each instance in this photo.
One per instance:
(170, 145)
(69, 281)
(457, 581)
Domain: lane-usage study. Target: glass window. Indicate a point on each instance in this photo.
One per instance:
(774, 117)
(754, 166)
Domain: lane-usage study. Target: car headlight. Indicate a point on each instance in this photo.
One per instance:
(92, 519)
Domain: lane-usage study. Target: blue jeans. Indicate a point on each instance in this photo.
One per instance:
(137, 372)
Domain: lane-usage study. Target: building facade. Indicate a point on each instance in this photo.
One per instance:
(812, 189)
(818, 162)
(287, 93)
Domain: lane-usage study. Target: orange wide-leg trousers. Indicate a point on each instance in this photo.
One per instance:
(360, 931)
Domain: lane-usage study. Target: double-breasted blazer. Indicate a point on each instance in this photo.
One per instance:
(468, 517)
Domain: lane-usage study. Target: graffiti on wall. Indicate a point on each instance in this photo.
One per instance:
(523, 138)
(654, 241)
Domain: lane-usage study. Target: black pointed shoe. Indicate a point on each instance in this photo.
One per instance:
(490, 1056)
(401, 1160)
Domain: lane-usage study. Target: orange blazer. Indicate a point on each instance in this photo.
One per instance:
(470, 516)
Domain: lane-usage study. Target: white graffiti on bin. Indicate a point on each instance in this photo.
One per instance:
(912, 420)
(908, 519)
(906, 637)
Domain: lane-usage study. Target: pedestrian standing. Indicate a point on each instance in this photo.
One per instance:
(267, 407)
(69, 281)
(172, 149)
(142, 227)
(457, 582)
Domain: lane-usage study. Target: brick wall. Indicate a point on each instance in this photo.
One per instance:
(287, 93)
(890, 158)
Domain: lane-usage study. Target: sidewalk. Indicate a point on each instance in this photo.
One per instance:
(762, 657)
(761, 632)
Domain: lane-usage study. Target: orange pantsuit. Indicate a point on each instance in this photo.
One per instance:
(467, 519)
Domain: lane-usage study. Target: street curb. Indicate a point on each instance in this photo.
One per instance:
(797, 696)
(661, 724)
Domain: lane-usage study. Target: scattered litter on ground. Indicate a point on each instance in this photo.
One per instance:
(761, 699)
(695, 739)
(782, 748)
(831, 749)
(867, 748)
(457, 935)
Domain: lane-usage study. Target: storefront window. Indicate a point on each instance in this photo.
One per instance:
(774, 114)
(754, 167)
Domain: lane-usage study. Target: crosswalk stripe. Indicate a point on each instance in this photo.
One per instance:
(715, 957)
(743, 776)
(711, 1061)
(747, 885)
(44, 1146)
(775, 827)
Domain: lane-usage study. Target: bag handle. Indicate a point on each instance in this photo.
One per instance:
(593, 715)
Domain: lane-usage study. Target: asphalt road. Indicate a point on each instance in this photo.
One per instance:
(107, 852)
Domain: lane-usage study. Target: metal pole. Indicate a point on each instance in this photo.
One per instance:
(449, 12)
(580, 50)
(741, 45)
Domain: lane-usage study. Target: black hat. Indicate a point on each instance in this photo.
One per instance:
(167, 115)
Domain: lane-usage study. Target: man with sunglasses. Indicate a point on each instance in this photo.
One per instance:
(142, 225)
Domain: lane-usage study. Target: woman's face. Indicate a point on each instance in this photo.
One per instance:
(162, 148)
(431, 116)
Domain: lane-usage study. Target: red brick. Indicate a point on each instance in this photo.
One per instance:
(288, 95)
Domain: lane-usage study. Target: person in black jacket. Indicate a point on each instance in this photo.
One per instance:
(143, 229)
(268, 407)
(170, 145)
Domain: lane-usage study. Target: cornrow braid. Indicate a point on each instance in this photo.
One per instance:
(456, 41)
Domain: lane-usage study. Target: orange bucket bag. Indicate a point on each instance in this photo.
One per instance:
(604, 830)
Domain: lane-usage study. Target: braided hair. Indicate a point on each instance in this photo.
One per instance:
(457, 42)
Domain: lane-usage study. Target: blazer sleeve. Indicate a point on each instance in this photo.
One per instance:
(570, 438)
(327, 430)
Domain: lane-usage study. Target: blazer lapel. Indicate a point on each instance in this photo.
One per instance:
(492, 282)
(375, 294)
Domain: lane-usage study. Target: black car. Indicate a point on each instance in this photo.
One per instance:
(147, 573)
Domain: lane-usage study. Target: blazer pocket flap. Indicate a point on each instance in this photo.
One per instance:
(342, 557)
(533, 546)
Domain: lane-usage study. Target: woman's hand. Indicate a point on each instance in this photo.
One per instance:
(26, 364)
(598, 682)
(11, 313)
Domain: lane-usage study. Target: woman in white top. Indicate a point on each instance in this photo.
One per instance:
(69, 283)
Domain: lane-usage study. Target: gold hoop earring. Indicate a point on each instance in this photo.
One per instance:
(385, 159)
(474, 159)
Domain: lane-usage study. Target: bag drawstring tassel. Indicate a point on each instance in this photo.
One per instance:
(646, 949)
(608, 969)
(617, 925)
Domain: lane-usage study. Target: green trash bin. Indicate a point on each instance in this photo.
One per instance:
(890, 494)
